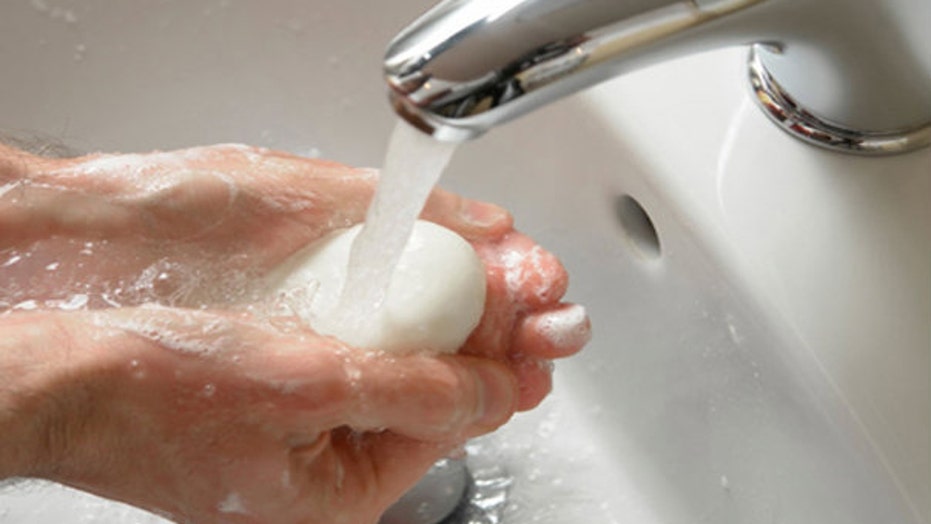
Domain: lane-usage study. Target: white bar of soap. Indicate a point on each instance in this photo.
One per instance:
(434, 300)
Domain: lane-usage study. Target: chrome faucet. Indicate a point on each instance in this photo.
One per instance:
(850, 75)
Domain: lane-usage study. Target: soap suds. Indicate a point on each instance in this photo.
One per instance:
(513, 267)
(72, 303)
(122, 164)
(185, 333)
(526, 273)
(567, 327)
(141, 176)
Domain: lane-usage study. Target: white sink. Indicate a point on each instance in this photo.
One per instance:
(765, 359)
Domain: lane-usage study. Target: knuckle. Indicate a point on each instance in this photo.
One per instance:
(444, 398)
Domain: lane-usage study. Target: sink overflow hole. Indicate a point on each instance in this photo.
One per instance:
(638, 227)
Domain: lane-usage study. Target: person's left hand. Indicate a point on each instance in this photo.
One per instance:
(197, 227)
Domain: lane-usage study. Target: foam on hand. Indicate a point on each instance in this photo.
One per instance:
(434, 300)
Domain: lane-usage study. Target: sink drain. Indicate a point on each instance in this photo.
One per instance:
(450, 494)
(435, 497)
(485, 499)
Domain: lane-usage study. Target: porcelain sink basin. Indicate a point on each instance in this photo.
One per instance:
(762, 348)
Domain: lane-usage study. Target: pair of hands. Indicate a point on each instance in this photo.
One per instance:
(208, 407)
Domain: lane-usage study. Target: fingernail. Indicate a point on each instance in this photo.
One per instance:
(481, 214)
(498, 395)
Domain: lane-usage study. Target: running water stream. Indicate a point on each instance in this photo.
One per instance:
(413, 165)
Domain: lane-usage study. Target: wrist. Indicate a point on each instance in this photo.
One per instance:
(45, 404)
(20, 417)
(14, 164)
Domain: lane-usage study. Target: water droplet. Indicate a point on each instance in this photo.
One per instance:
(27, 305)
(72, 303)
(106, 297)
(136, 370)
(12, 260)
(53, 266)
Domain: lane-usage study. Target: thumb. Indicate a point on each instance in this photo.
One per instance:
(471, 219)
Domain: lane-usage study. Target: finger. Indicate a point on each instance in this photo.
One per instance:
(555, 333)
(535, 377)
(433, 398)
(521, 279)
(472, 219)
(521, 270)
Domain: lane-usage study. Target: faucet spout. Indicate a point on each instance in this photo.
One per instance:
(854, 80)
(467, 66)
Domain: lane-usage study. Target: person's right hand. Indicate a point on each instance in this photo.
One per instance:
(213, 417)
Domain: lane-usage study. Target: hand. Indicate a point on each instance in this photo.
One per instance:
(202, 408)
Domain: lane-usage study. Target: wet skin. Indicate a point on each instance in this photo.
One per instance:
(193, 399)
